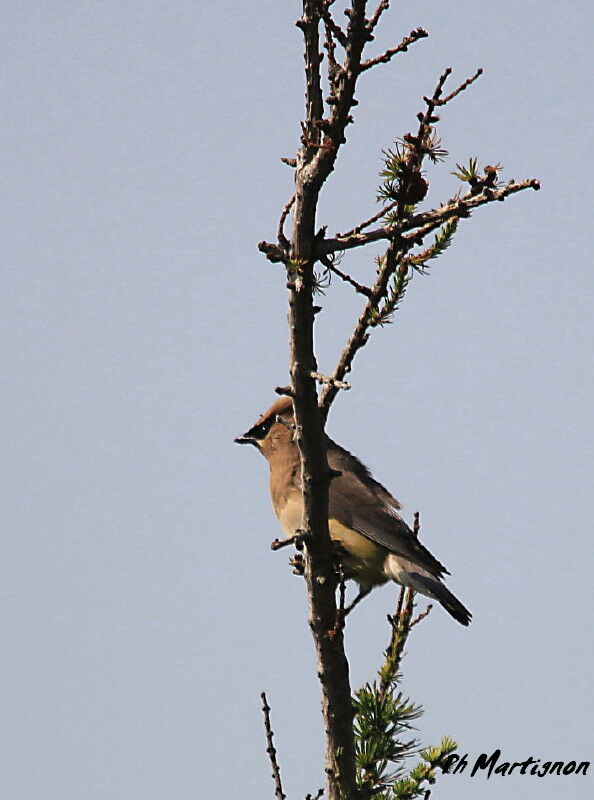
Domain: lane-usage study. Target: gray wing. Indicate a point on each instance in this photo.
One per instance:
(358, 501)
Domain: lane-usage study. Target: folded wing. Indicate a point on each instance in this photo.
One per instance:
(360, 502)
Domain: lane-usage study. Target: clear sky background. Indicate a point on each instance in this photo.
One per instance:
(142, 611)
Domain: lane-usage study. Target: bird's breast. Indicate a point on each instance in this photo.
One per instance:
(363, 559)
(290, 513)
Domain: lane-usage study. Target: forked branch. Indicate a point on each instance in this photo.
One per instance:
(402, 227)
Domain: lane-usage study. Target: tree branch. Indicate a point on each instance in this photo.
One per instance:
(358, 287)
(320, 143)
(414, 36)
(271, 750)
(313, 165)
(366, 223)
(427, 221)
(383, 6)
(437, 101)
(360, 335)
(282, 239)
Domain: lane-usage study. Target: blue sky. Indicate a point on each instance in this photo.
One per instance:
(142, 610)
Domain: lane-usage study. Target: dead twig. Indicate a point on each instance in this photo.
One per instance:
(298, 539)
(331, 267)
(442, 101)
(282, 239)
(427, 221)
(414, 36)
(271, 750)
(324, 379)
(385, 210)
(375, 18)
(332, 28)
(420, 617)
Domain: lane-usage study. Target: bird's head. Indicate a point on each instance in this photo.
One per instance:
(273, 430)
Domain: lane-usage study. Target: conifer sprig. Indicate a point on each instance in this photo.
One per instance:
(383, 721)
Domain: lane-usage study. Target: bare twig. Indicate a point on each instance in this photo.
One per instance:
(284, 391)
(309, 24)
(282, 239)
(420, 617)
(271, 750)
(385, 210)
(400, 602)
(374, 19)
(427, 221)
(272, 252)
(442, 101)
(317, 796)
(330, 47)
(324, 379)
(414, 36)
(360, 335)
(358, 287)
(332, 27)
(298, 539)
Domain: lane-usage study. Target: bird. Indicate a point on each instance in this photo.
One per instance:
(374, 542)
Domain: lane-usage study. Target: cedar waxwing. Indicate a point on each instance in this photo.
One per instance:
(375, 543)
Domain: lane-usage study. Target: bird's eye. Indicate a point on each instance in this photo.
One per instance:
(260, 431)
(267, 424)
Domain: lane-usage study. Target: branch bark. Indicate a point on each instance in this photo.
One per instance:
(314, 161)
(322, 137)
(428, 220)
(360, 334)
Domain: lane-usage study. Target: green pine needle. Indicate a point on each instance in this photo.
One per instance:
(466, 174)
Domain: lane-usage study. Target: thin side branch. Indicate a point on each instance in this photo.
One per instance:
(358, 287)
(282, 239)
(427, 221)
(421, 616)
(326, 381)
(271, 750)
(375, 18)
(332, 28)
(369, 221)
(296, 540)
(442, 101)
(414, 36)
(360, 335)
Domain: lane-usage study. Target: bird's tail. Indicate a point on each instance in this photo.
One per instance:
(431, 587)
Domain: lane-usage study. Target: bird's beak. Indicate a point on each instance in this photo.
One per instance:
(245, 438)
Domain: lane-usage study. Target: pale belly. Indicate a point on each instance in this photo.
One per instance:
(364, 559)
